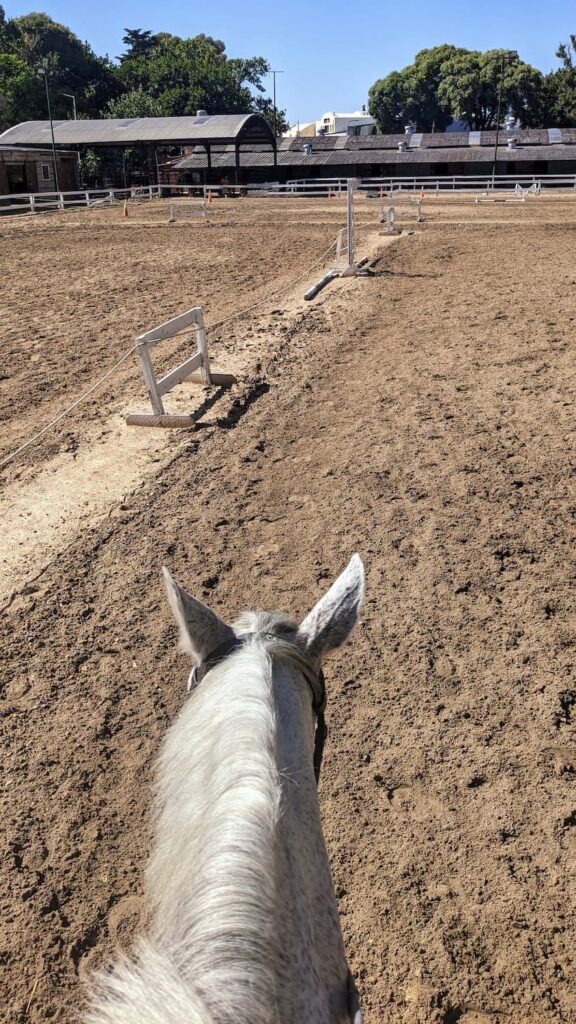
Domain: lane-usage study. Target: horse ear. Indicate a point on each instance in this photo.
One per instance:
(201, 631)
(331, 620)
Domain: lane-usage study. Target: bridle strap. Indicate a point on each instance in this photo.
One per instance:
(320, 735)
(224, 650)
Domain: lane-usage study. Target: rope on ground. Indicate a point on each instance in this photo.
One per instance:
(218, 323)
(272, 295)
(69, 409)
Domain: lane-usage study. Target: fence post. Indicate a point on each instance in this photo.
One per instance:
(32, 204)
(202, 347)
(350, 220)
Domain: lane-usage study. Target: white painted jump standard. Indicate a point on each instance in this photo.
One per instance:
(384, 214)
(193, 209)
(193, 318)
(387, 218)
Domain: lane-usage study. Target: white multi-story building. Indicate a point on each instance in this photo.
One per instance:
(356, 123)
(331, 123)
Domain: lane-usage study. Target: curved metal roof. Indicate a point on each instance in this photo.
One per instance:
(203, 130)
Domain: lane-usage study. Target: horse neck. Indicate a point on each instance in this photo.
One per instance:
(239, 878)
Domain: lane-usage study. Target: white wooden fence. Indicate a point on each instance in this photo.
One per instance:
(38, 202)
(42, 202)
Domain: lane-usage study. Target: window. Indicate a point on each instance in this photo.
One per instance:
(46, 175)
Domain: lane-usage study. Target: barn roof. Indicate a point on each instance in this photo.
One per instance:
(204, 129)
(223, 157)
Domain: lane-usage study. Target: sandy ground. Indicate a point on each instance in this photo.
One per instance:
(423, 417)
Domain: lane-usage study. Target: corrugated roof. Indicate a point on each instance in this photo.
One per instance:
(342, 158)
(128, 131)
(34, 149)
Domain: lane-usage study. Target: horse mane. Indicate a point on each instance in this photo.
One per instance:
(212, 954)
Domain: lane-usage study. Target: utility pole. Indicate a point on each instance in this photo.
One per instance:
(274, 73)
(70, 96)
(505, 56)
(44, 72)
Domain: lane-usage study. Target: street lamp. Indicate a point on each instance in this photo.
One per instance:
(44, 72)
(274, 73)
(69, 96)
(504, 57)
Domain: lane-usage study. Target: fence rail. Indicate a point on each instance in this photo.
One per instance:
(39, 202)
(454, 183)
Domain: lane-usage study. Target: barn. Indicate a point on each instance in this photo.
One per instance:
(417, 154)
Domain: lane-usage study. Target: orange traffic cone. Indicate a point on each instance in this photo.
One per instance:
(329, 193)
(422, 192)
(209, 196)
(125, 207)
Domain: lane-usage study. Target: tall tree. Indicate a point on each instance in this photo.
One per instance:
(22, 95)
(40, 42)
(470, 88)
(560, 88)
(187, 74)
(139, 43)
(412, 94)
(448, 83)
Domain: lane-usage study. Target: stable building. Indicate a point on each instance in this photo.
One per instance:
(25, 169)
(203, 133)
(541, 151)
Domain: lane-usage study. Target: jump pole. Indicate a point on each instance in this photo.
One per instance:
(353, 269)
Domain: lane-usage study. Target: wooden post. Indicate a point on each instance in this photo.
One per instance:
(202, 347)
(149, 377)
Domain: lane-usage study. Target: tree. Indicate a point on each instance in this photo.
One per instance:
(470, 86)
(21, 92)
(139, 43)
(265, 107)
(560, 88)
(187, 74)
(412, 94)
(135, 103)
(39, 41)
(448, 83)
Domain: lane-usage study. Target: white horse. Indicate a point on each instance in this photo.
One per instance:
(245, 925)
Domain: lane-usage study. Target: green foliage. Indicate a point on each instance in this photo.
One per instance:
(560, 88)
(413, 93)
(185, 75)
(470, 86)
(264, 106)
(139, 43)
(135, 103)
(21, 92)
(40, 42)
(447, 83)
(158, 74)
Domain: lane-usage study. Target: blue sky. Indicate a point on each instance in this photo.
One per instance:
(330, 53)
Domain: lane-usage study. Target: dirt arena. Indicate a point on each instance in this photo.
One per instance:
(423, 416)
